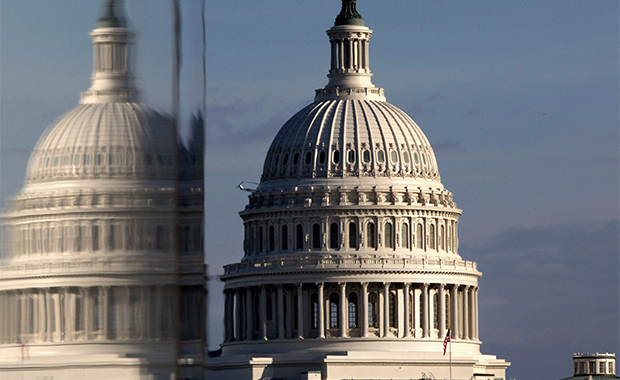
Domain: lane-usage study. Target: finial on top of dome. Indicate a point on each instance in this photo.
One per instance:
(348, 15)
(110, 19)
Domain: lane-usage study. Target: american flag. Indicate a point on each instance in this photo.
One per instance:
(446, 341)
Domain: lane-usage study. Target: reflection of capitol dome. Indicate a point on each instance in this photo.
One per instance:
(351, 264)
(89, 277)
(112, 140)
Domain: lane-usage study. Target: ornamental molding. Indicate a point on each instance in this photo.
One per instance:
(305, 264)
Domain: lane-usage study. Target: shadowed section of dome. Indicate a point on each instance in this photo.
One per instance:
(107, 140)
(350, 138)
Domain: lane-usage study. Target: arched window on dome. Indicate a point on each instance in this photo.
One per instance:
(284, 237)
(353, 235)
(296, 159)
(316, 236)
(380, 156)
(322, 157)
(370, 235)
(95, 238)
(366, 156)
(299, 236)
(353, 310)
(351, 156)
(314, 307)
(252, 240)
(334, 312)
(441, 238)
(308, 159)
(393, 311)
(419, 236)
(372, 309)
(260, 239)
(285, 160)
(389, 238)
(404, 232)
(431, 236)
(336, 156)
(272, 239)
(333, 236)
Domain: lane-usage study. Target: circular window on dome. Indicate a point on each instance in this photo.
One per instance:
(322, 157)
(394, 156)
(336, 157)
(308, 160)
(351, 156)
(415, 158)
(285, 160)
(380, 156)
(406, 158)
(296, 158)
(366, 156)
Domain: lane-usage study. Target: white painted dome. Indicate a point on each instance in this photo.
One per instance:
(343, 137)
(115, 140)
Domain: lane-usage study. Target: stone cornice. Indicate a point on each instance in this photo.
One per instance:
(306, 264)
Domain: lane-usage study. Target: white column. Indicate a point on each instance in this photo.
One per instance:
(466, 312)
(366, 55)
(300, 312)
(67, 317)
(407, 310)
(86, 304)
(249, 315)
(321, 302)
(57, 329)
(344, 326)
(442, 311)
(454, 320)
(238, 315)
(364, 310)
(472, 314)
(386, 310)
(425, 311)
(279, 309)
(476, 336)
(262, 308)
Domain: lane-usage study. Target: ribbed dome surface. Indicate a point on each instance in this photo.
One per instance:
(105, 140)
(350, 138)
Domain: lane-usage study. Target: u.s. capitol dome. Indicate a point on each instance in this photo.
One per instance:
(351, 267)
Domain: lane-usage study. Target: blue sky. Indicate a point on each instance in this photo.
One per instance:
(519, 98)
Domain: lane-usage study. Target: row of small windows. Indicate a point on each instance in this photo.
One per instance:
(589, 367)
(441, 238)
(351, 157)
(97, 237)
(105, 159)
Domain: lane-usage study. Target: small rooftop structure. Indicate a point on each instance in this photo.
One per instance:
(594, 366)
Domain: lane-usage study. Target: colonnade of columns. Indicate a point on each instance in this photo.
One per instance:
(351, 309)
(64, 314)
(349, 53)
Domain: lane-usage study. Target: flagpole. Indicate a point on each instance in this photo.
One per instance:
(450, 342)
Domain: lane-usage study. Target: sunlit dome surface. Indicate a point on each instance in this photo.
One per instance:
(104, 140)
(350, 138)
